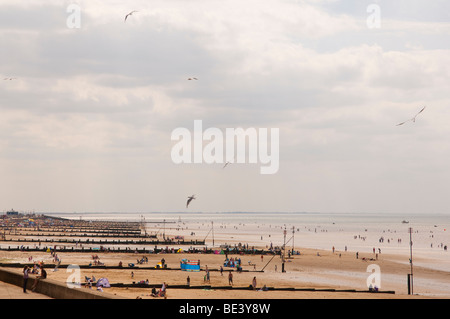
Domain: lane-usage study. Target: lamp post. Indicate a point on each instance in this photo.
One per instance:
(212, 227)
(293, 233)
(411, 280)
(284, 251)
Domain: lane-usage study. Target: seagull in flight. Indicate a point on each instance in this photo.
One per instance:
(190, 79)
(226, 164)
(9, 79)
(414, 118)
(129, 15)
(190, 198)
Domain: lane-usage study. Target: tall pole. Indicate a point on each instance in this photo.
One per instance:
(284, 250)
(293, 232)
(411, 259)
(212, 227)
(145, 229)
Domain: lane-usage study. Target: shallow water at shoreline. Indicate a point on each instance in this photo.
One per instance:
(350, 231)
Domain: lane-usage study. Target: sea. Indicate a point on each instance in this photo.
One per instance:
(351, 232)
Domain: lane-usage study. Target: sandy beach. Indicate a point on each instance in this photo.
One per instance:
(305, 271)
(321, 269)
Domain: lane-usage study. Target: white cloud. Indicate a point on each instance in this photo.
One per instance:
(99, 103)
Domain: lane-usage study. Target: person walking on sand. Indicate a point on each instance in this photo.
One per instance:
(254, 283)
(164, 290)
(25, 278)
(230, 278)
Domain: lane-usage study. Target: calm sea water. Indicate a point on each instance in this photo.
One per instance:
(358, 232)
(298, 219)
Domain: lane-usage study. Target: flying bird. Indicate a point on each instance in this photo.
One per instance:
(192, 79)
(226, 164)
(129, 15)
(190, 198)
(9, 79)
(414, 118)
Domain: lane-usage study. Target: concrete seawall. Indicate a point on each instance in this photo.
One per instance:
(54, 289)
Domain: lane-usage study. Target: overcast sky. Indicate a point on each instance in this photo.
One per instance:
(86, 123)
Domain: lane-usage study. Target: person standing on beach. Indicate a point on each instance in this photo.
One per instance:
(254, 283)
(25, 278)
(164, 290)
(230, 278)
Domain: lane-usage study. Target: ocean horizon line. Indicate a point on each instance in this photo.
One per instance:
(242, 212)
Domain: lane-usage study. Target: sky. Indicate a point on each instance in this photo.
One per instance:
(86, 121)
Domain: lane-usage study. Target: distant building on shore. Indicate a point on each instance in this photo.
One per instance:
(12, 212)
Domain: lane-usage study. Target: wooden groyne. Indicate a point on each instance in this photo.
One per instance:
(209, 287)
(97, 235)
(136, 267)
(154, 250)
(104, 242)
